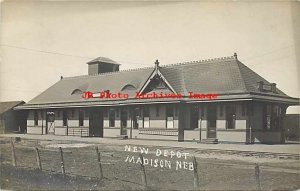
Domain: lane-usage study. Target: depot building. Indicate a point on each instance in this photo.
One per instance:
(245, 107)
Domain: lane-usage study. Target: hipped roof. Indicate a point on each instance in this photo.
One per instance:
(225, 76)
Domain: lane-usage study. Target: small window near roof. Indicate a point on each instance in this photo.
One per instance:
(76, 91)
(128, 87)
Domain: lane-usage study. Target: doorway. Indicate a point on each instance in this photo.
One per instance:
(211, 121)
(230, 116)
(96, 122)
(194, 116)
(124, 116)
(50, 118)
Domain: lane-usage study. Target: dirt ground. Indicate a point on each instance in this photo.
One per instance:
(216, 171)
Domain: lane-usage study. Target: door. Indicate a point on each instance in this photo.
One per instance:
(96, 122)
(230, 117)
(194, 116)
(124, 116)
(211, 121)
(50, 119)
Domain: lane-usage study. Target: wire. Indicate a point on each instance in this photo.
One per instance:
(271, 52)
(42, 51)
(64, 54)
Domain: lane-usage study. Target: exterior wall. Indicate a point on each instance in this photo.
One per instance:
(223, 136)
(239, 134)
(157, 121)
(112, 132)
(60, 131)
(73, 120)
(36, 130)
(221, 116)
(41, 127)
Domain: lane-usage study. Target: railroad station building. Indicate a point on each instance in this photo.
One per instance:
(238, 104)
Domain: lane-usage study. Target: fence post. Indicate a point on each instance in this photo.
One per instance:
(99, 162)
(13, 153)
(196, 176)
(38, 158)
(257, 177)
(62, 162)
(143, 173)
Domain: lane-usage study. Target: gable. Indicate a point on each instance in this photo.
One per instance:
(156, 82)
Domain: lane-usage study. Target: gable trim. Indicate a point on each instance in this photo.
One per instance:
(154, 73)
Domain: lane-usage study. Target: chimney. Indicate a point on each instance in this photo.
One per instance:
(102, 65)
(273, 87)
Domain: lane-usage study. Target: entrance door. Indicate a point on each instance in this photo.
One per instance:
(124, 115)
(96, 122)
(50, 118)
(230, 117)
(211, 121)
(194, 116)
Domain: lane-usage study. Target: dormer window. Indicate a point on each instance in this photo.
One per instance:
(76, 91)
(263, 87)
(128, 87)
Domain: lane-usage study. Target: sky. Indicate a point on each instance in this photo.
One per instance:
(43, 40)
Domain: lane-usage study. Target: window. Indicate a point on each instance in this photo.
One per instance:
(243, 109)
(170, 111)
(111, 118)
(267, 117)
(105, 113)
(146, 111)
(176, 111)
(72, 113)
(86, 113)
(221, 110)
(65, 118)
(58, 114)
(117, 113)
(157, 111)
(36, 118)
(202, 111)
(250, 109)
(81, 117)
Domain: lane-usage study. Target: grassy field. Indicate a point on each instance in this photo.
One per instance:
(82, 169)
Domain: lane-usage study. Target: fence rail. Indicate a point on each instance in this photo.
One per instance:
(164, 132)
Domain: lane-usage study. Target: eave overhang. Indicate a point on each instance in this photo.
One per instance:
(131, 101)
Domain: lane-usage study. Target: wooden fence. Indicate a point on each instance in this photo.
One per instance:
(72, 161)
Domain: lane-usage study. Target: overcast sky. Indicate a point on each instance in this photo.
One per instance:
(40, 41)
